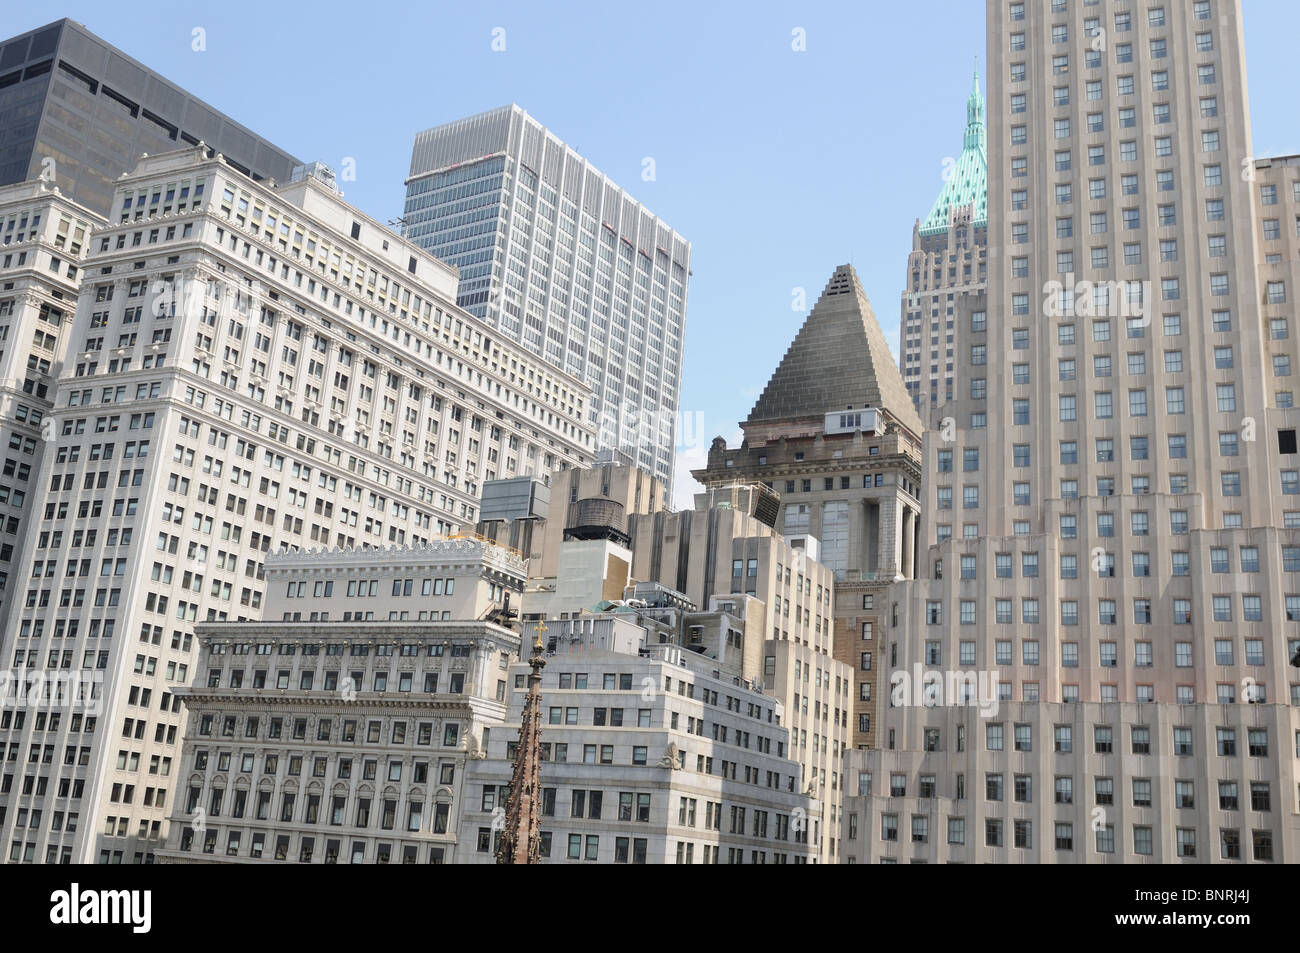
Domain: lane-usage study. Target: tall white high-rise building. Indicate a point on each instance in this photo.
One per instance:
(43, 239)
(250, 366)
(557, 257)
(1113, 511)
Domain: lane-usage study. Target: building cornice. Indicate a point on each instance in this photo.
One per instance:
(322, 701)
(412, 556)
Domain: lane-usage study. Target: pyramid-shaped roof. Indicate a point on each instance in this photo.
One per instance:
(839, 359)
(968, 182)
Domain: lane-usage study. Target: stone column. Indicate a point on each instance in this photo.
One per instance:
(857, 547)
(916, 545)
(908, 532)
(870, 534)
(889, 520)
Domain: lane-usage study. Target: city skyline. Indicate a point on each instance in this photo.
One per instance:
(778, 114)
(244, 393)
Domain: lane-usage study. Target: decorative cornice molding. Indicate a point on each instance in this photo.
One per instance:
(372, 632)
(417, 553)
(323, 701)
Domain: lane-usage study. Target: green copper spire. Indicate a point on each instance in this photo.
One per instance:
(967, 183)
(975, 116)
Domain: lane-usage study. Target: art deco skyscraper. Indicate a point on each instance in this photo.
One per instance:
(1114, 515)
(561, 260)
(947, 263)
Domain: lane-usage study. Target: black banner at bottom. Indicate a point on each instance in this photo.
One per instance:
(296, 903)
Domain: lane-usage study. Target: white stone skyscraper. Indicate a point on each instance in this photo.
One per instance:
(562, 260)
(1112, 502)
(43, 240)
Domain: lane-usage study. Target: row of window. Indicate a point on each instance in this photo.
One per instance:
(1063, 836)
(360, 853)
(1252, 608)
(1103, 742)
(360, 588)
(828, 483)
(1108, 653)
(1123, 20)
(1139, 522)
(1103, 791)
(225, 726)
(1103, 562)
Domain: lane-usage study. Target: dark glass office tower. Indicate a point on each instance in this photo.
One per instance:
(68, 96)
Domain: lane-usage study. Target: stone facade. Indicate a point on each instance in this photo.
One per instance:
(46, 238)
(334, 743)
(440, 579)
(611, 478)
(725, 562)
(1079, 783)
(1110, 528)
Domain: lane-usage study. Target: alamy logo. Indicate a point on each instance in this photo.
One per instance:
(75, 906)
(1097, 299)
(933, 688)
(74, 691)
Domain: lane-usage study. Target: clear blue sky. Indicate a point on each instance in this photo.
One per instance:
(777, 165)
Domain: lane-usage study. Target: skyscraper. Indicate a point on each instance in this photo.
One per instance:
(948, 261)
(560, 259)
(75, 114)
(249, 367)
(43, 241)
(1114, 538)
(79, 112)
